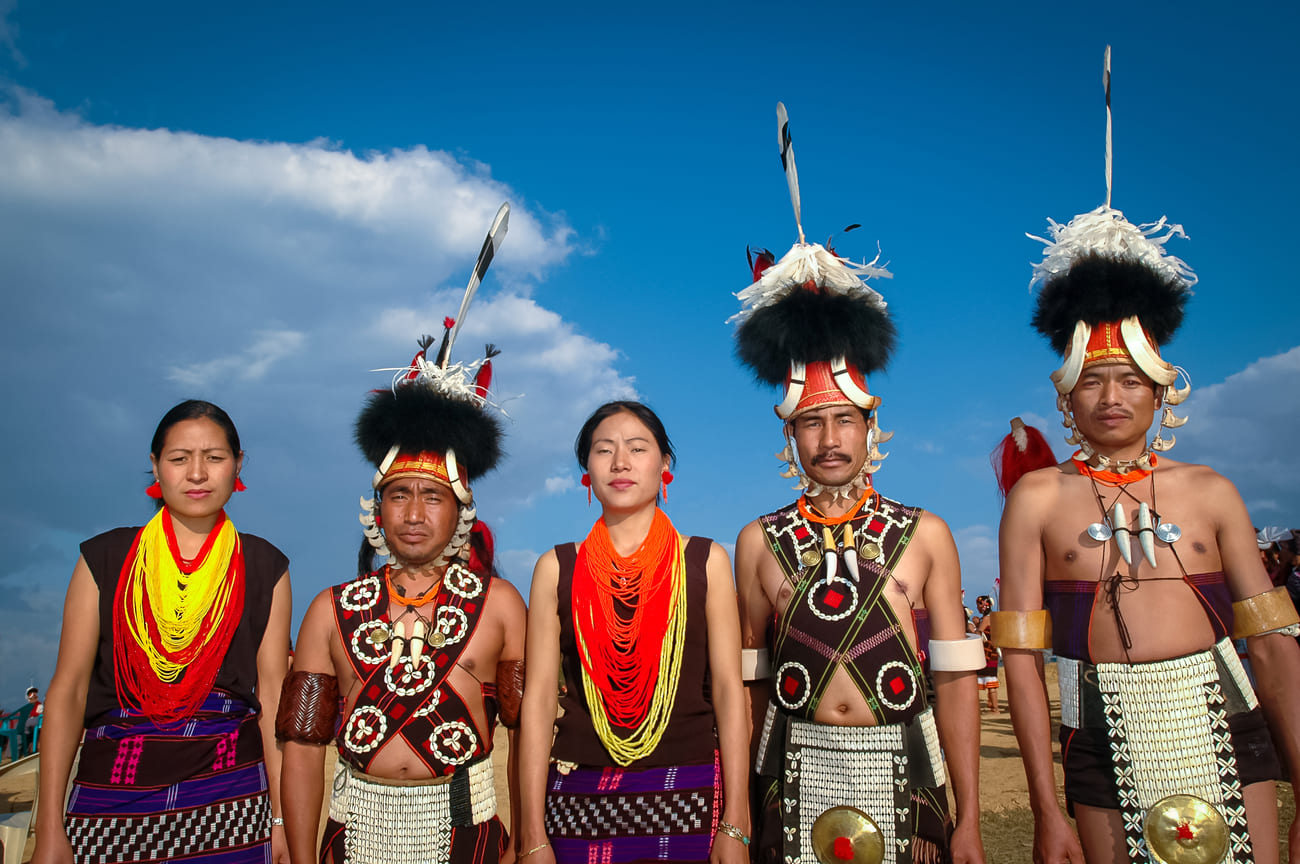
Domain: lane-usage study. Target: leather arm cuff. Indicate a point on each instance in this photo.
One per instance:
(309, 708)
(510, 691)
(1028, 630)
(1263, 613)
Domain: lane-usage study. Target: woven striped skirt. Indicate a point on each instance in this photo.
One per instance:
(196, 791)
(615, 816)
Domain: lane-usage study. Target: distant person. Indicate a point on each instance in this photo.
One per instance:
(29, 728)
(987, 679)
(170, 661)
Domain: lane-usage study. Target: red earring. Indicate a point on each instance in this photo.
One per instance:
(239, 485)
(154, 491)
(586, 481)
(667, 478)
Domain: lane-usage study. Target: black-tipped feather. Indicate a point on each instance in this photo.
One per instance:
(806, 327)
(1099, 288)
(422, 419)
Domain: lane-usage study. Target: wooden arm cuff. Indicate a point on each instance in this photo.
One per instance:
(1026, 630)
(1263, 613)
(510, 691)
(309, 708)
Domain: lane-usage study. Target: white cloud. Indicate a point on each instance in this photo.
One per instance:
(1245, 428)
(561, 483)
(142, 267)
(978, 547)
(250, 364)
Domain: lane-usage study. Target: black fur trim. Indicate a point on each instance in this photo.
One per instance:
(419, 418)
(1099, 288)
(809, 326)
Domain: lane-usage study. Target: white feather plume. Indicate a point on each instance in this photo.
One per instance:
(812, 262)
(1106, 232)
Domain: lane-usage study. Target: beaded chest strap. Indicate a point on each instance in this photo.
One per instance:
(835, 620)
(410, 697)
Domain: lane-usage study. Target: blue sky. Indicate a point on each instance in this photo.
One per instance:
(258, 204)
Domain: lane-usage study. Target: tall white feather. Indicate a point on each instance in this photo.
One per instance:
(786, 147)
(491, 244)
(1105, 81)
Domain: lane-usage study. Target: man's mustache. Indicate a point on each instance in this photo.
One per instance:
(830, 454)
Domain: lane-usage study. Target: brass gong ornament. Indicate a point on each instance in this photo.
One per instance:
(1184, 829)
(846, 835)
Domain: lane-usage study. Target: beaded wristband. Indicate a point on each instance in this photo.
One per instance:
(734, 832)
(531, 851)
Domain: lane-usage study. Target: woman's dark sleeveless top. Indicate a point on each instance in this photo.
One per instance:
(263, 567)
(689, 738)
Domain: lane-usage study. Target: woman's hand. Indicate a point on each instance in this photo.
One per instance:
(279, 845)
(728, 850)
(52, 849)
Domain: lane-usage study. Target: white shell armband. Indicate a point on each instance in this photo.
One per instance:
(753, 664)
(957, 655)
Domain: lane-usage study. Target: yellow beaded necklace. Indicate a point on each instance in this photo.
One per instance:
(181, 606)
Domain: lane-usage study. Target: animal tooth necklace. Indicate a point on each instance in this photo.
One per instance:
(1114, 525)
(421, 629)
(848, 547)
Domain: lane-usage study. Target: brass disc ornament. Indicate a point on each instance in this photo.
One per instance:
(810, 557)
(871, 550)
(1184, 829)
(846, 835)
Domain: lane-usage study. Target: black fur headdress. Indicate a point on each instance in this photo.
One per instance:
(416, 417)
(1100, 288)
(809, 325)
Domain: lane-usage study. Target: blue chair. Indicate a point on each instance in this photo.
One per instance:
(14, 732)
(36, 732)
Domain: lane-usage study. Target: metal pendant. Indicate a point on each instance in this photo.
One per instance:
(810, 557)
(871, 550)
(1169, 532)
(846, 835)
(1183, 829)
(437, 638)
(1099, 531)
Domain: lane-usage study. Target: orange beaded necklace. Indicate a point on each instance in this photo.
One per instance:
(629, 620)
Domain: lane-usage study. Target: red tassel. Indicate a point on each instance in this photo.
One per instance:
(586, 481)
(482, 549)
(1010, 463)
(667, 479)
(448, 322)
(483, 380)
(759, 261)
(239, 485)
(154, 491)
